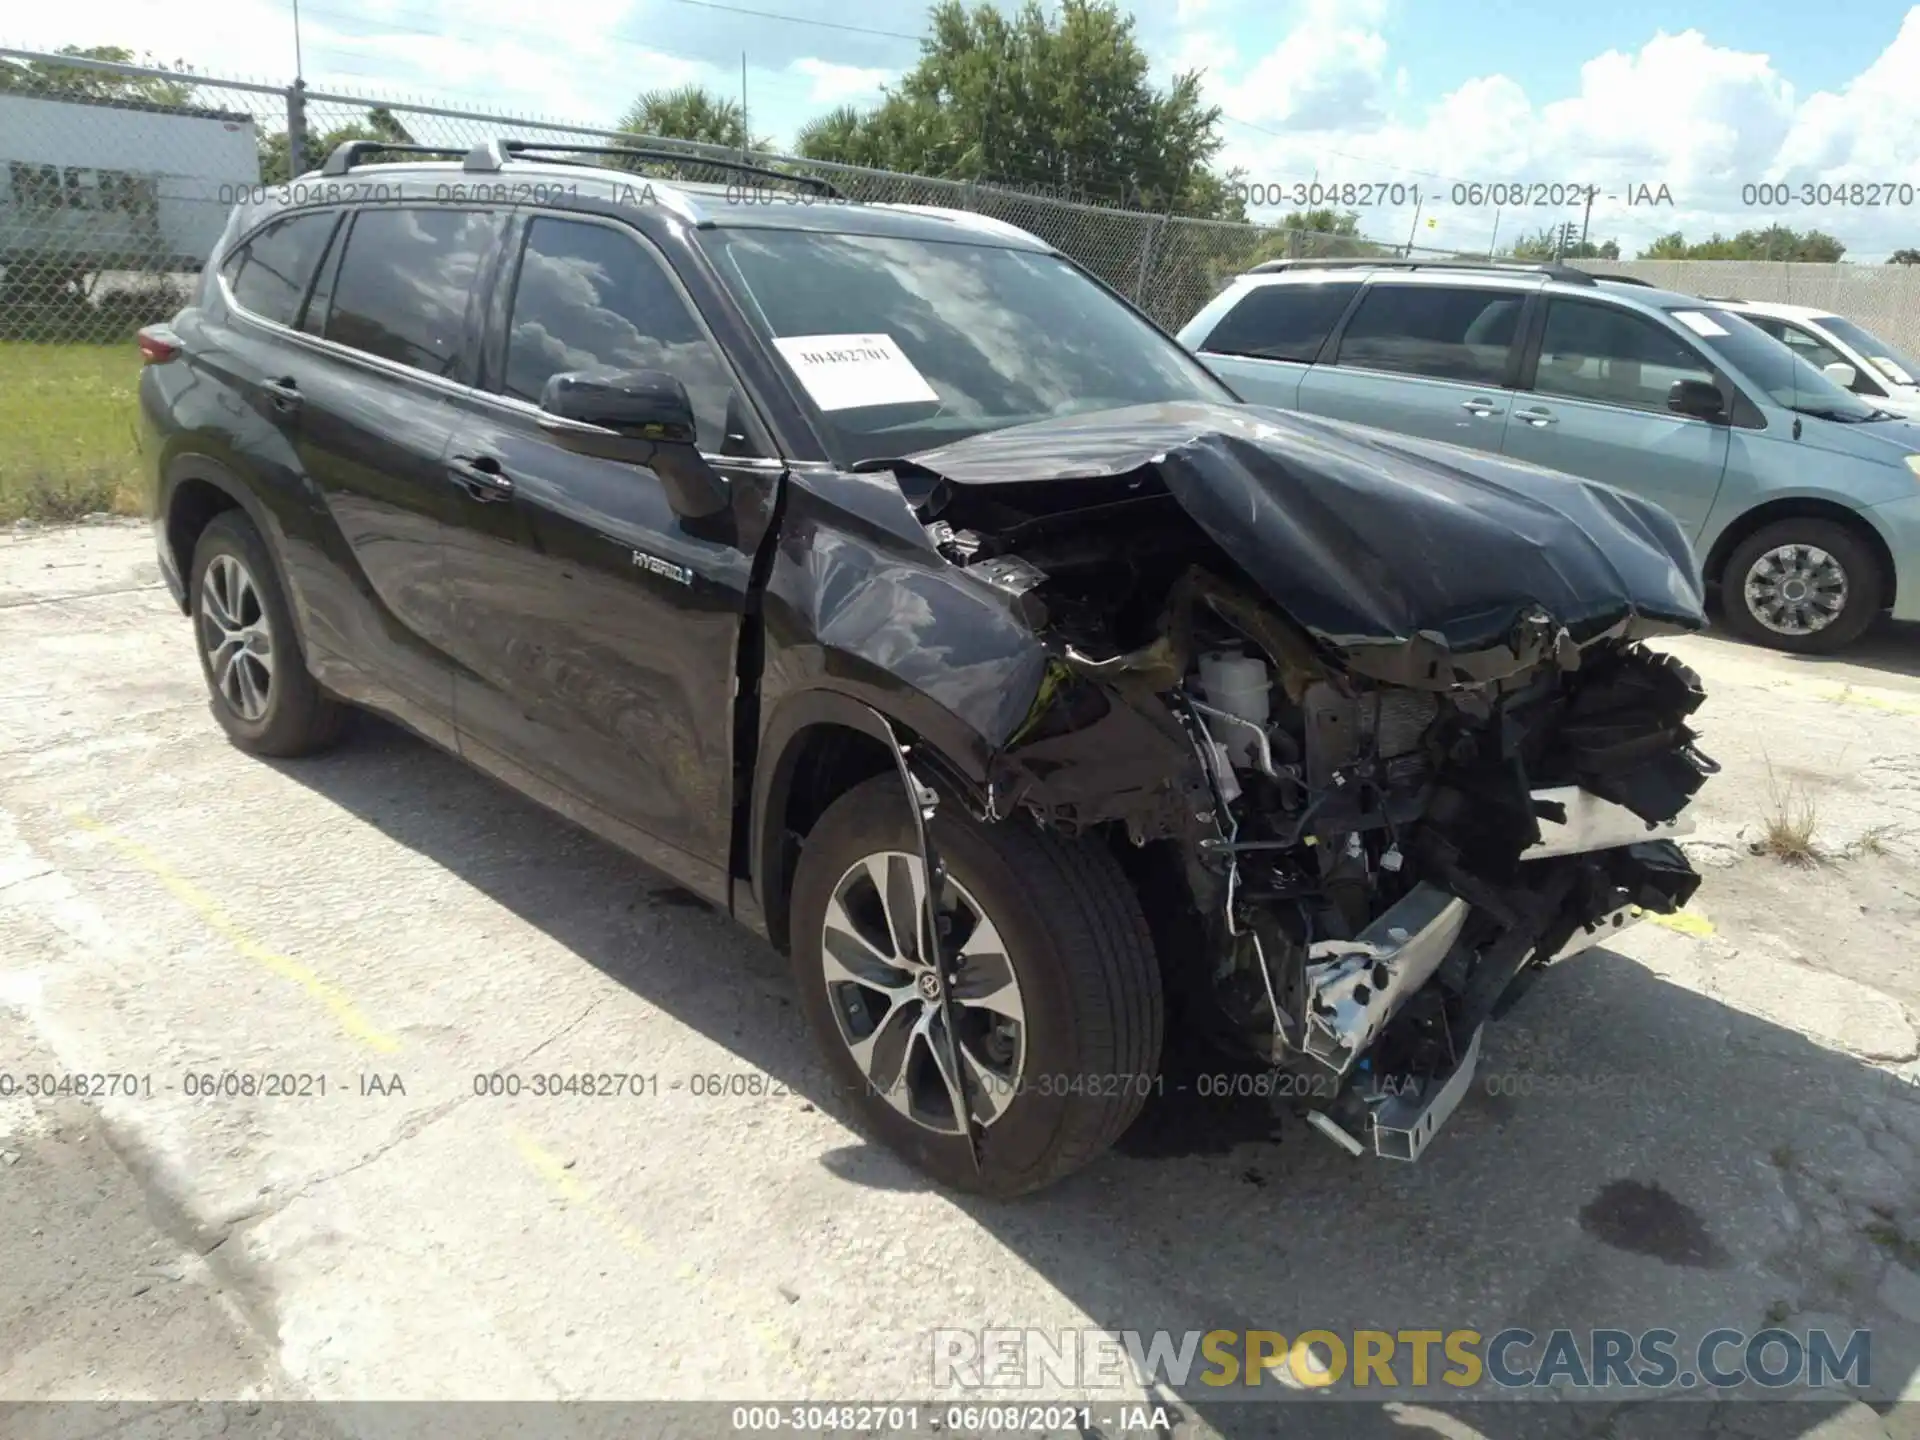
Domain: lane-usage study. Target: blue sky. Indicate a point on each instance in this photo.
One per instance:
(1703, 96)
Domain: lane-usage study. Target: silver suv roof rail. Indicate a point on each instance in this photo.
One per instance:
(490, 155)
(1564, 273)
(349, 153)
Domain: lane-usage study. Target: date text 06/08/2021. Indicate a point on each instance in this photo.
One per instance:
(1470, 194)
(901, 1418)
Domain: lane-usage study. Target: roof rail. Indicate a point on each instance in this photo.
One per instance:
(350, 153)
(1391, 262)
(490, 155)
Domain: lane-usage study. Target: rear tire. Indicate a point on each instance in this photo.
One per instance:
(261, 691)
(1806, 586)
(1053, 1089)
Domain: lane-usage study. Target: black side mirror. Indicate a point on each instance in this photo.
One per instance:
(639, 417)
(1699, 398)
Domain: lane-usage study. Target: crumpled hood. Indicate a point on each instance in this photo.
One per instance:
(1420, 563)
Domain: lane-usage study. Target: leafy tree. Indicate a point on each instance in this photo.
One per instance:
(1775, 242)
(1060, 103)
(49, 77)
(380, 124)
(1545, 245)
(1904, 257)
(692, 112)
(1316, 234)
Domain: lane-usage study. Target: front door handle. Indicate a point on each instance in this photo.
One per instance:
(481, 477)
(283, 394)
(1479, 407)
(1536, 417)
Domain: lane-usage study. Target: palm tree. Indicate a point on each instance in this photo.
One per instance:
(691, 112)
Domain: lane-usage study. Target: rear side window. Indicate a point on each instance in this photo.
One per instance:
(1443, 331)
(1612, 356)
(269, 275)
(591, 298)
(401, 292)
(1282, 322)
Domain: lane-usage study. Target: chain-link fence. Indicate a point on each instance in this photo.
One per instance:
(1883, 299)
(117, 180)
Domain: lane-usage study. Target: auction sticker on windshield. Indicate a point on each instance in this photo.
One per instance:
(1699, 323)
(845, 372)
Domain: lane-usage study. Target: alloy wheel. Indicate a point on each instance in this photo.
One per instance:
(237, 637)
(886, 995)
(1796, 589)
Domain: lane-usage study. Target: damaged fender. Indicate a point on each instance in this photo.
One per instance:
(1376, 711)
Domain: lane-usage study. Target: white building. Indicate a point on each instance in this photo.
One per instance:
(118, 184)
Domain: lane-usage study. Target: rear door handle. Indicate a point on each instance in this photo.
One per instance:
(1536, 417)
(481, 477)
(283, 394)
(1481, 408)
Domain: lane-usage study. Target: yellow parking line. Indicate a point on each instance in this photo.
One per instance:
(209, 910)
(1685, 922)
(1848, 695)
(552, 1169)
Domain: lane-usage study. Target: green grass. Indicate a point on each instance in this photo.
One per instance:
(67, 445)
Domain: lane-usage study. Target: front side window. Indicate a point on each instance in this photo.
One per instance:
(1282, 322)
(590, 298)
(1444, 332)
(1893, 364)
(1611, 356)
(1783, 375)
(1804, 343)
(903, 344)
(402, 288)
(269, 275)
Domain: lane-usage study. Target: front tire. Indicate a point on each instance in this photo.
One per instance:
(1807, 586)
(262, 693)
(1057, 1005)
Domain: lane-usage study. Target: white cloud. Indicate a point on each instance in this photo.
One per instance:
(840, 84)
(1681, 111)
(1328, 72)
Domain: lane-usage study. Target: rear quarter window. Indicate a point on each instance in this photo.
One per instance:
(271, 273)
(1444, 332)
(1282, 322)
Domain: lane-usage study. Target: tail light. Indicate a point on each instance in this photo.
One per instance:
(158, 344)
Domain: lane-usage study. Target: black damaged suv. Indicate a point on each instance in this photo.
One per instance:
(881, 576)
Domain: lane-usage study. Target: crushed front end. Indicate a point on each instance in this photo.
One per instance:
(1359, 819)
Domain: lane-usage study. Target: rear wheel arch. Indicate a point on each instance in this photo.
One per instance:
(1801, 508)
(199, 488)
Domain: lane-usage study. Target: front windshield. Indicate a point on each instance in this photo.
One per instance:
(1787, 379)
(1891, 363)
(904, 344)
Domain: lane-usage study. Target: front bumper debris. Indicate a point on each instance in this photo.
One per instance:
(1591, 823)
(1354, 987)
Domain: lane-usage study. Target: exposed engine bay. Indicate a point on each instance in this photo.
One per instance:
(1353, 846)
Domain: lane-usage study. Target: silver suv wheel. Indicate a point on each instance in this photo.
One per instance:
(885, 996)
(1795, 589)
(237, 637)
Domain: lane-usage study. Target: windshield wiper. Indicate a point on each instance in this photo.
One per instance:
(1821, 413)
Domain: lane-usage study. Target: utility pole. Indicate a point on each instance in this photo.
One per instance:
(746, 126)
(1587, 218)
(1414, 229)
(1495, 240)
(299, 69)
